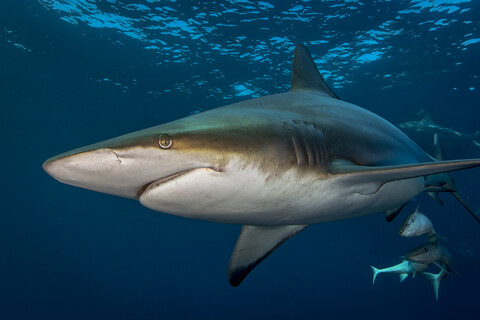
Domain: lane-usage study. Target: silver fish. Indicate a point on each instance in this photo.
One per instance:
(417, 224)
(404, 269)
(430, 253)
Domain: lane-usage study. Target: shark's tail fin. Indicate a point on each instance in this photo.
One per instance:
(435, 280)
(464, 204)
(375, 273)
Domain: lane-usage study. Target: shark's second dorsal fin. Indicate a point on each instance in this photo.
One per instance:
(305, 75)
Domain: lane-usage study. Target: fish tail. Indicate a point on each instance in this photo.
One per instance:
(375, 273)
(435, 281)
(465, 205)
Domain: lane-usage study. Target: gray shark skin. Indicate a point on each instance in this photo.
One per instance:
(274, 164)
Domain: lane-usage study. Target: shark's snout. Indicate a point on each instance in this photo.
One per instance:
(120, 169)
(99, 170)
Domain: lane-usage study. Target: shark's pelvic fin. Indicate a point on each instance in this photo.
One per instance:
(305, 75)
(373, 178)
(254, 244)
(391, 214)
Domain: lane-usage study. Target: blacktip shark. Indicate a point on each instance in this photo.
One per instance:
(425, 124)
(274, 164)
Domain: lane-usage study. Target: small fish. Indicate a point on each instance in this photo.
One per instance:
(417, 224)
(404, 268)
(434, 279)
(430, 253)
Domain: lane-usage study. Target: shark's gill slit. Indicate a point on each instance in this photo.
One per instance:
(309, 143)
(118, 158)
(321, 149)
(300, 154)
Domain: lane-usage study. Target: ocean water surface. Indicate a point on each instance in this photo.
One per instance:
(74, 72)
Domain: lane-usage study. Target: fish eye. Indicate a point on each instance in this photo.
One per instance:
(425, 250)
(165, 141)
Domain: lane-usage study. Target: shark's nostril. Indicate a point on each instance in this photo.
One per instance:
(118, 158)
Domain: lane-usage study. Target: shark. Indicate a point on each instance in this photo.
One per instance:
(274, 164)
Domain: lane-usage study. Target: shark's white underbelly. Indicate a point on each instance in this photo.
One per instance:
(250, 196)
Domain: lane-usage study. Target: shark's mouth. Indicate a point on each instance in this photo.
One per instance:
(161, 181)
(156, 183)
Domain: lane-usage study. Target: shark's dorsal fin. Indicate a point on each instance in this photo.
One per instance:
(305, 75)
(254, 244)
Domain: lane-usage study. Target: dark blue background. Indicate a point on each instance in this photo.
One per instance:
(68, 253)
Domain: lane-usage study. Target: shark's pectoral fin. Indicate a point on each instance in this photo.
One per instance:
(305, 75)
(371, 179)
(254, 244)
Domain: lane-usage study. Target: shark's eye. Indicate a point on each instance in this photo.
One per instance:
(165, 141)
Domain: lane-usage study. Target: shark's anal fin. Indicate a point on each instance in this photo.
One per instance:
(254, 244)
(309, 143)
(305, 75)
(373, 178)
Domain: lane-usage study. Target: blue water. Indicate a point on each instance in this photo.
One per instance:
(77, 72)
